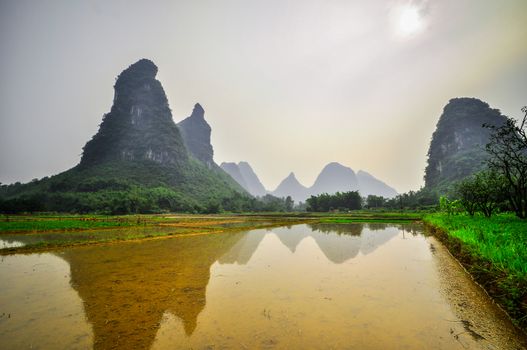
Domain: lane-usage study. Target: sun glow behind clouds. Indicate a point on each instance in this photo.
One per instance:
(409, 20)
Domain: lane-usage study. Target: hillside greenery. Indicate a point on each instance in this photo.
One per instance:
(136, 187)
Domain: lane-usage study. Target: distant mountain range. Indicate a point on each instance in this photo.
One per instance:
(334, 177)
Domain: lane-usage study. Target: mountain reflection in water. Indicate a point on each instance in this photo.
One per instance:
(127, 288)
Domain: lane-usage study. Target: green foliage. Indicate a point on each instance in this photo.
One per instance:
(508, 157)
(269, 203)
(449, 206)
(483, 191)
(424, 199)
(373, 201)
(125, 187)
(60, 224)
(289, 203)
(500, 239)
(136, 187)
(338, 201)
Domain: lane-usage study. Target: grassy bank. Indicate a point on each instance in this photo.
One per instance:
(494, 251)
(54, 223)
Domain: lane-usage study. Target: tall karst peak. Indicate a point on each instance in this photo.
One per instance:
(457, 149)
(139, 126)
(196, 135)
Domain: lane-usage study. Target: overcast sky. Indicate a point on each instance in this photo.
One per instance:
(286, 85)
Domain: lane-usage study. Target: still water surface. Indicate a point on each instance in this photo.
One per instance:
(356, 286)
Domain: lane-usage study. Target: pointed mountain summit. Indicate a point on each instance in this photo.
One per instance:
(368, 184)
(291, 187)
(196, 135)
(335, 177)
(457, 149)
(139, 125)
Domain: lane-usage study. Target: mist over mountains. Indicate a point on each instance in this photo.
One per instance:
(333, 178)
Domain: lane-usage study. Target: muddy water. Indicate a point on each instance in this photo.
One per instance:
(358, 286)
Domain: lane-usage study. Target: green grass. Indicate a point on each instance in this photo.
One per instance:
(501, 239)
(53, 239)
(494, 251)
(60, 224)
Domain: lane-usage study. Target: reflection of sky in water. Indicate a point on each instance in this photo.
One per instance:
(10, 244)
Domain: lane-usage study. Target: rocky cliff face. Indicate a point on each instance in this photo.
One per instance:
(139, 125)
(457, 149)
(196, 135)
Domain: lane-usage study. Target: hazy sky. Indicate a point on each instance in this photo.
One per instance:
(286, 85)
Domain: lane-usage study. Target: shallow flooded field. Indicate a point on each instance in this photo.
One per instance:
(345, 286)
